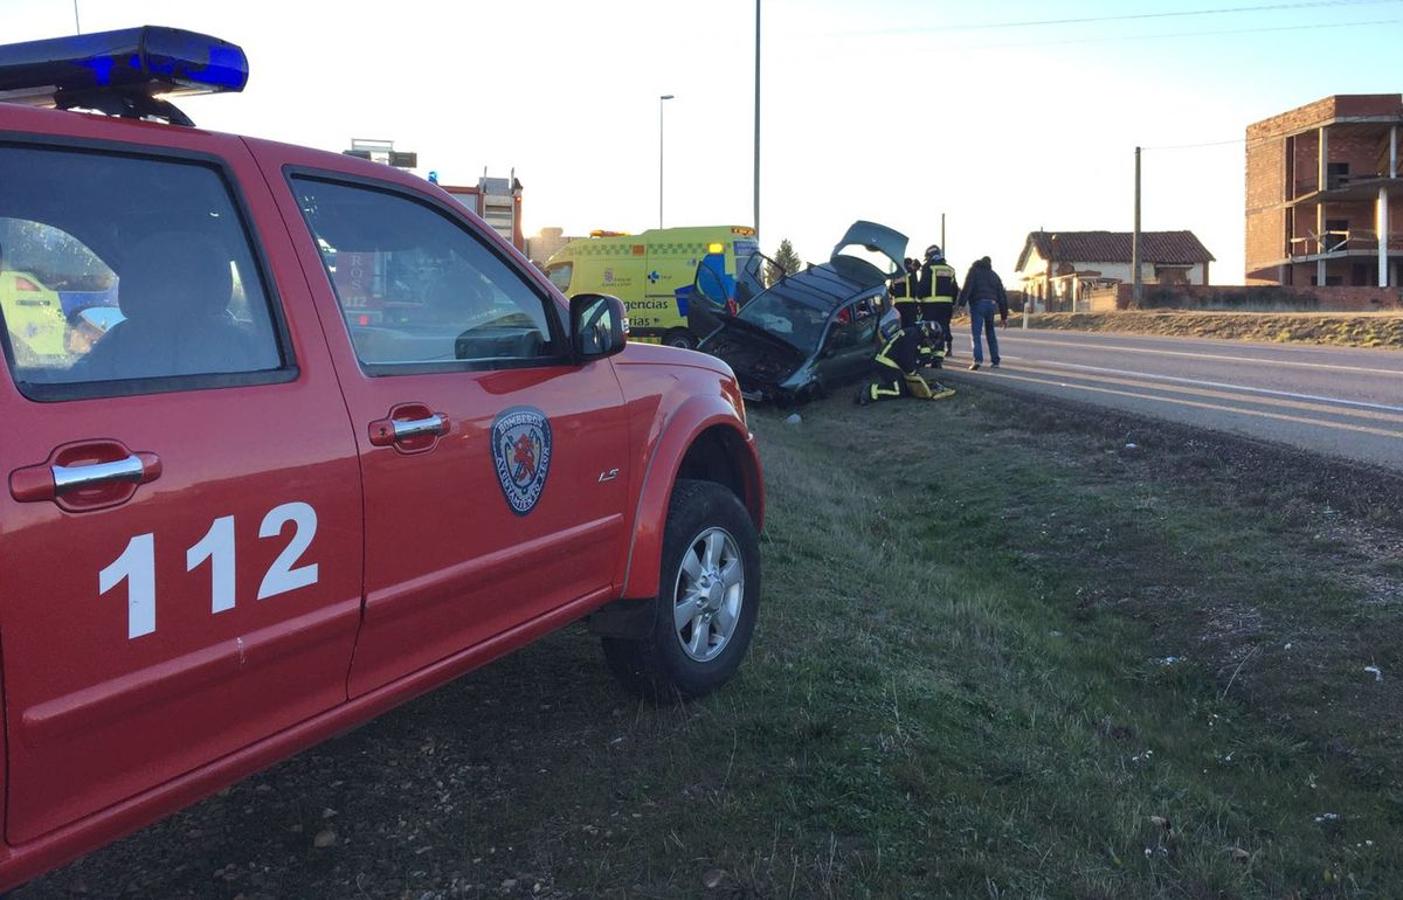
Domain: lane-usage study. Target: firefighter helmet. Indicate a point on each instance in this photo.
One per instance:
(934, 254)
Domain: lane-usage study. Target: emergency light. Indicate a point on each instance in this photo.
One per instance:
(122, 73)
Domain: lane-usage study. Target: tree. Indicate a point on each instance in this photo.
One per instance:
(786, 261)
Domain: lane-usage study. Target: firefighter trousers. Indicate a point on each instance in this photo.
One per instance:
(940, 311)
(892, 384)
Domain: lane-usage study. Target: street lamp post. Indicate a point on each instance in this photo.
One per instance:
(660, 156)
(756, 189)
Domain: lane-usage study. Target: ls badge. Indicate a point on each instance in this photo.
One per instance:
(521, 450)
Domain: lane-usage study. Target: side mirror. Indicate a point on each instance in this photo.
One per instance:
(598, 326)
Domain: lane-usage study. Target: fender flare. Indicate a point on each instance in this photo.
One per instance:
(695, 417)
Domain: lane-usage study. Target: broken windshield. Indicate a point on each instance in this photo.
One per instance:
(791, 313)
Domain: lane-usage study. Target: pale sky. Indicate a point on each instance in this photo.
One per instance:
(891, 110)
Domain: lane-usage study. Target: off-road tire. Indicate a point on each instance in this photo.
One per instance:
(657, 666)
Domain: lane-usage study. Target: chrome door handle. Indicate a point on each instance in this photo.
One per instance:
(76, 485)
(408, 428)
(69, 478)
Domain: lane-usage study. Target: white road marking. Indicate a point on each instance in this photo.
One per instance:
(1233, 400)
(1370, 370)
(1178, 401)
(1361, 404)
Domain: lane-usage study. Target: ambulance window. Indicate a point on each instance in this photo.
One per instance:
(418, 291)
(560, 273)
(126, 275)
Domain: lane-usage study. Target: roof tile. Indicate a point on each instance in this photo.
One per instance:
(1165, 247)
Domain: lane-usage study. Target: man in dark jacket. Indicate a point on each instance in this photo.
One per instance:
(984, 292)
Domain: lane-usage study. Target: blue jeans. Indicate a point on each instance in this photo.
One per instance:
(981, 319)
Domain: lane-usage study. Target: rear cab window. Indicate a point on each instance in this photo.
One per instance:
(127, 274)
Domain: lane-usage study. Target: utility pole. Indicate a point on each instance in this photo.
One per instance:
(943, 248)
(757, 120)
(661, 99)
(1137, 288)
(77, 26)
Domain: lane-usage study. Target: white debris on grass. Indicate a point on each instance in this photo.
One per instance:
(1376, 672)
(793, 419)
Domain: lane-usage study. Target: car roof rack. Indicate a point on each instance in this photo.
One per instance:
(126, 73)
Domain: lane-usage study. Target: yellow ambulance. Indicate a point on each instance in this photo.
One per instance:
(652, 272)
(35, 318)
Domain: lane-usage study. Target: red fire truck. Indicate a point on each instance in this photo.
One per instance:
(241, 518)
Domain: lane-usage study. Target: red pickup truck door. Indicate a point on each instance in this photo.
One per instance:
(181, 555)
(494, 468)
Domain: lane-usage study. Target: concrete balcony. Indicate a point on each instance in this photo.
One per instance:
(1341, 244)
(1343, 189)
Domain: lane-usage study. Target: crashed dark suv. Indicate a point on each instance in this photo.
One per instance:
(815, 330)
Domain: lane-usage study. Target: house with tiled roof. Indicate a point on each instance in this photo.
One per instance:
(1061, 267)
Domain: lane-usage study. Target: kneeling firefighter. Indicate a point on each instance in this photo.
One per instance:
(936, 290)
(897, 365)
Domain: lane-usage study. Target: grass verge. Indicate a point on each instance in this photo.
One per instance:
(1383, 330)
(1001, 654)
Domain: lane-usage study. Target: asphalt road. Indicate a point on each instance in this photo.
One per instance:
(1339, 401)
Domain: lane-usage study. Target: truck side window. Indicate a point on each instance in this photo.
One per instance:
(418, 289)
(123, 274)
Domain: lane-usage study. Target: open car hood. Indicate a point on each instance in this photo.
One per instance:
(760, 360)
(873, 238)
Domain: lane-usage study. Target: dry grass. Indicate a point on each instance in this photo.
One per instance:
(961, 687)
(1371, 329)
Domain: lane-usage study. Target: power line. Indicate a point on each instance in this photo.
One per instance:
(1247, 144)
(1199, 145)
(1125, 17)
(1187, 34)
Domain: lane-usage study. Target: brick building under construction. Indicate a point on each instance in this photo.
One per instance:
(1324, 201)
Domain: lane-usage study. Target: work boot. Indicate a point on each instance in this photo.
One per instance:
(864, 395)
(974, 367)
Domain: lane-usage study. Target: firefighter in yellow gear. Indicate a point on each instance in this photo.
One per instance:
(897, 365)
(903, 289)
(936, 291)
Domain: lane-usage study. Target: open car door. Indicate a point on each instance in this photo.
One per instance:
(715, 294)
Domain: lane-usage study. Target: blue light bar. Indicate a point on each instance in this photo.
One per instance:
(135, 62)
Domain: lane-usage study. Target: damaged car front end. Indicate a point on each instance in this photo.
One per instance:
(815, 330)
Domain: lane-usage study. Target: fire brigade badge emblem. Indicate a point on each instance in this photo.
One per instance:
(521, 451)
